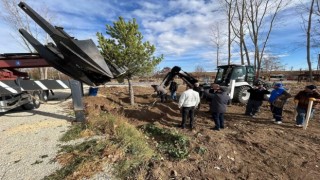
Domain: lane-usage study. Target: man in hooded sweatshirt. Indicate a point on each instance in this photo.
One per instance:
(277, 100)
(303, 97)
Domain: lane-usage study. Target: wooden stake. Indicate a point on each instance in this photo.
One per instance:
(305, 123)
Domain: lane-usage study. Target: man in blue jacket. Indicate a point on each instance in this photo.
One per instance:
(277, 100)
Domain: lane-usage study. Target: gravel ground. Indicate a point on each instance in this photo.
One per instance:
(29, 139)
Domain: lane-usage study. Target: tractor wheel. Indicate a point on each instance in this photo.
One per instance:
(28, 106)
(241, 94)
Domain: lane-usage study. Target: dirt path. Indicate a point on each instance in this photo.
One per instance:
(29, 139)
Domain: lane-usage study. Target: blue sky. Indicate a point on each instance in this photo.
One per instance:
(180, 29)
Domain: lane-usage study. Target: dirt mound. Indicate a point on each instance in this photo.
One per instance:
(246, 149)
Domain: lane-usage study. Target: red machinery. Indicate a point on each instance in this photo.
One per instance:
(16, 88)
(9, 63)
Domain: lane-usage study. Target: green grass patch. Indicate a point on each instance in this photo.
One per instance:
(134, 144)
(170, 142)
(73, 133)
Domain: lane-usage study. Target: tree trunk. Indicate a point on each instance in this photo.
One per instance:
(247, 53)
(218, 49)
(45, 73)
(131, 91)
(230, 16)
(258, 70)
(308, 41)
(241, 52)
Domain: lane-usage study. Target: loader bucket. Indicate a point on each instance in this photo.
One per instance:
(79, 59)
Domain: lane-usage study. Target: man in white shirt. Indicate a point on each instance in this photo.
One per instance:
(188, 101)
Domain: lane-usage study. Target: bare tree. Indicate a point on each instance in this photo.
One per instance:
(16, 19)
(308, 39)
(271, 63)
(199, 69)
(316, 27)
(230, 14)
(217, 40)
(238, 27)
(261, 16)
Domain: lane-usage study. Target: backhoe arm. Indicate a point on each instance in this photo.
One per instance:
(176, 71)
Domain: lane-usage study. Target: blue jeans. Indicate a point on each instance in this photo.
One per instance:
(277, 112)
(301, 115)
(218, 119)
(173, 95)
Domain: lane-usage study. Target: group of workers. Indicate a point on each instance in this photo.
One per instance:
(190, 100)
(278, 98)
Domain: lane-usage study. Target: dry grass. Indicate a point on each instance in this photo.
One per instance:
(124, 146)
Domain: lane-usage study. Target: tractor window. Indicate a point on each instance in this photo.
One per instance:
(220, 75)
(239, 73)
(250, 74)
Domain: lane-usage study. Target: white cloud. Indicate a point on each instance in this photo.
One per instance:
(180, 29)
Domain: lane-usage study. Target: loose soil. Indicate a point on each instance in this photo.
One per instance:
(246, 149)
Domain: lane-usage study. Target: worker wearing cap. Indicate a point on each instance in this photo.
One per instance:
(256, 99)
(302, 97)
(278, 98)
(218, 106)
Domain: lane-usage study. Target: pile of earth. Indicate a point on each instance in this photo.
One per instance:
(248, 148)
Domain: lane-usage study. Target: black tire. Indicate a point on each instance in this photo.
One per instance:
(28, 106)
(241, 94)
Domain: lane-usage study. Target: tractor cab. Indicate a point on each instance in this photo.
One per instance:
(244, 77)
(239, 73)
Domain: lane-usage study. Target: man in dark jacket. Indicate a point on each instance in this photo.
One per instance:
(218, 106)
(213, 89)
(173, 90)
(256, 99)
(198, 89)
(303, 100)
